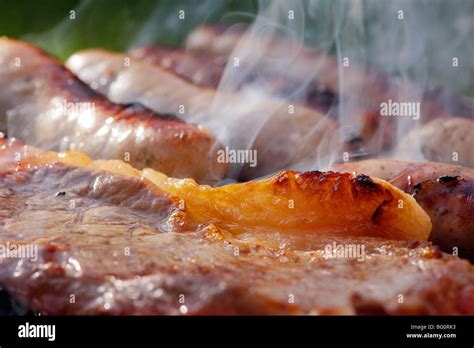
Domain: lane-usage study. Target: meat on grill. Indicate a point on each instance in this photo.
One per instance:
(50, 108)
(445, 192)
(281, 136)
(360, 97)
(447, 140)
(289, 202)
(364, 129)
(368, 86)
(110, 243)
(206, 70)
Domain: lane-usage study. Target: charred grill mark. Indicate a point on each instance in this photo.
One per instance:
(417, 187)
(367, 182)
(282, 182)
(376, 216)
(377, 213)
(310, 181)
(445, 184)
(362, 188)
(445, 192)
(464, 189)
(447, 179)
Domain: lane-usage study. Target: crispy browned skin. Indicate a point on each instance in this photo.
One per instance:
(450, 202)
(109, 249)
(289, 202)
(371, 134)
(221, 41)
(281, 139)
(206, 70)
(368, 85)
(202, 69)
(360, 96)
(36, 94)
(165, 78)
(293, 202)
(403, 174)
(444, 191)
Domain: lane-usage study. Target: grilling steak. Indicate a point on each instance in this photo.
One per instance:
(444, 191)
(50, 108)
(125, 246)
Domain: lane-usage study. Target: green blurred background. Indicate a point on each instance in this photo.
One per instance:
(111, 24)
(420, 47)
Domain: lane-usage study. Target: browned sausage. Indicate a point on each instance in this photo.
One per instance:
(52, 109)
(446, 192)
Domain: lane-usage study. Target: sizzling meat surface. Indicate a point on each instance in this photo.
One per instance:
(112, 243)
(444, 191)
(360, 97)
(202, 69)
(364, 129)
(206, 70)
(365, 84)
(283, 136)
(50, 108)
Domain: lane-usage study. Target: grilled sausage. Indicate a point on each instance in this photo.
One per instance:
(206, 70)
(202, 69)
(359, 98)
(50, 108)
(362, 83)
(446, 192)
(447, 140)
(450, 203)
(404, 174)
(280, 137)
(364, 131)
